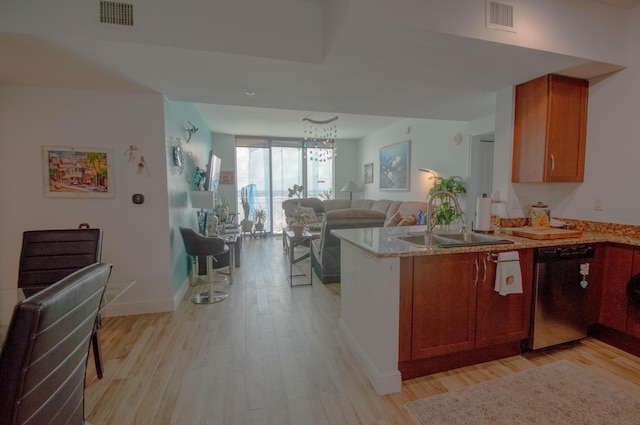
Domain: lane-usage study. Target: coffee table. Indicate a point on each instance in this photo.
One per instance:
(291, 241)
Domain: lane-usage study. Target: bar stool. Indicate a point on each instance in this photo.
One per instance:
(214, 249)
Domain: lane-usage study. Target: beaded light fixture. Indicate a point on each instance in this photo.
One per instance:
(319, 137)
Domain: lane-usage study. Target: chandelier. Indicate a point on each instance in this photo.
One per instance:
(319, 137)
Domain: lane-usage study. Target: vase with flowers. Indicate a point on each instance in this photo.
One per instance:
(296, 191)
(300, 218)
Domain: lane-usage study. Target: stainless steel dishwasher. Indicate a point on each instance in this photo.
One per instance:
(560, 292)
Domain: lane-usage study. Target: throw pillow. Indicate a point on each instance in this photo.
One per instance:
(310, 213)
(408, 221)
(393, 220)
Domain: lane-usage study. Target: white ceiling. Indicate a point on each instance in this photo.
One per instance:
(372, 76)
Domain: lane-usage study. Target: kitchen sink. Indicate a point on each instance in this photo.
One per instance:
(424, 239)
(452, 240)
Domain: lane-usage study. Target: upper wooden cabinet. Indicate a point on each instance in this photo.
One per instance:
(550, 130)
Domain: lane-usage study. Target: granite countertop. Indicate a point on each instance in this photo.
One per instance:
(382, 242)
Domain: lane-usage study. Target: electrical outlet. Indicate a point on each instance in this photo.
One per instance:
(597, 204)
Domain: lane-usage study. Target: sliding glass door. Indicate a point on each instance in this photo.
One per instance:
(252, 168)
(286, 171)
(274, 166)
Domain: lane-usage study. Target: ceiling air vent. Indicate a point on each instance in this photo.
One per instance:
(500, 16)
(116, 13)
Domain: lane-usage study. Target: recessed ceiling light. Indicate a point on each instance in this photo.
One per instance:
(250, 93)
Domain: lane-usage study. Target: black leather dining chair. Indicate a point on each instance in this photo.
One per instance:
(44, 358)
(49, 255)
(214, 250)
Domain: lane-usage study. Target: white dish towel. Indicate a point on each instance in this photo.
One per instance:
(508, 274)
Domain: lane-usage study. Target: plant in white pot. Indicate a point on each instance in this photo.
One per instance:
(223, 206)
(246, 223)
(259, 216)
(300, 218)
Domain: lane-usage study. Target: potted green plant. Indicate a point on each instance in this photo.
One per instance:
(446, 211)
(296, 190)
(300, 218)
(259, 216)
(326, 194)
(223, 208)
(247, 224)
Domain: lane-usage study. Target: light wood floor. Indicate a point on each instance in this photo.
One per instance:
(272, 354)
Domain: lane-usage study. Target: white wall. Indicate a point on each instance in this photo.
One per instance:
(179, 186)
(345, 169)
(136, 237)
(611, 155)
(431, 147)
(224, 146)
(577, 28)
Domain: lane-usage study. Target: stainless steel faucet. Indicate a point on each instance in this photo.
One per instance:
(431, 220)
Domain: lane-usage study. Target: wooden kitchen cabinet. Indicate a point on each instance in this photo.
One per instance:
(444, 304)
(506, 318)
(455, 308)
(618, 261)
(633, 312)
(550, 130)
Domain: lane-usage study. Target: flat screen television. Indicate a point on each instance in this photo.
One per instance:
(213, 173)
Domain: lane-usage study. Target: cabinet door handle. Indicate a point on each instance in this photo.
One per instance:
(475, 279)
(553, 164)
(484, 264)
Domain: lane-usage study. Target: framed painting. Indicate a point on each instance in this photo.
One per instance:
(226, 177)
(78, 172)
(368, 172)
(395, 166)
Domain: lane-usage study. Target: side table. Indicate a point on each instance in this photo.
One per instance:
(233, 242)
(291, 241)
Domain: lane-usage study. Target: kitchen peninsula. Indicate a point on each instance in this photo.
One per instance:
(409, 311)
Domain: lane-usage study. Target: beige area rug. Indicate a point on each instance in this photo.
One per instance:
(557, 393)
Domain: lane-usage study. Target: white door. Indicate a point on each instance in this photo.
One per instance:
(480, 173)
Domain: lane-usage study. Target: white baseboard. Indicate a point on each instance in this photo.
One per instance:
(177, 297)
(158, 306)
(383, 382)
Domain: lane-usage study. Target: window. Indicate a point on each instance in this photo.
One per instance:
(275, 165)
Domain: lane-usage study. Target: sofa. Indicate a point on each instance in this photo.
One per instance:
(348, 214)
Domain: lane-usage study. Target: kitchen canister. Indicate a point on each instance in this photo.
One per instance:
(540, 216)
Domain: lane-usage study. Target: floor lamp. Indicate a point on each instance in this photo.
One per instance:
(203, 200)
(350, 187)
